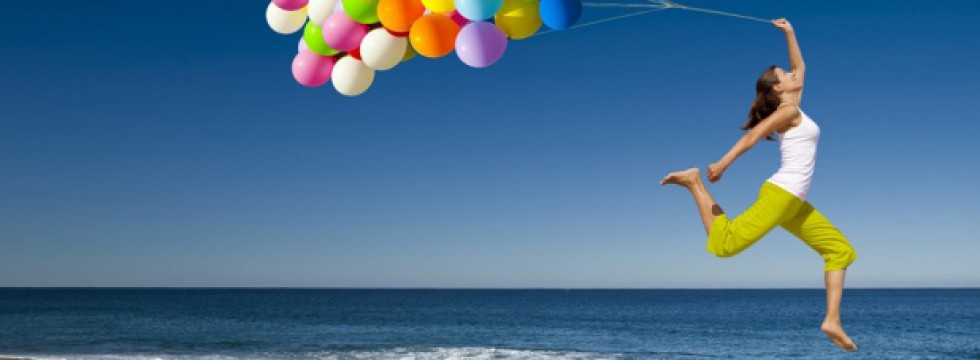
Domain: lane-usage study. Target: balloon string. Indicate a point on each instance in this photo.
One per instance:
(672, 5)
(665, 4)
(601, 21)
(657, 6)
(622, 5)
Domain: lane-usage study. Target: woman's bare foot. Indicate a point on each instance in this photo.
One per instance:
(836, 333)
(683, 178)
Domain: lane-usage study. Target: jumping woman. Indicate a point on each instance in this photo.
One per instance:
(782, 198)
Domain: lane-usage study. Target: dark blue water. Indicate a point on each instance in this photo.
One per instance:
(482, 324)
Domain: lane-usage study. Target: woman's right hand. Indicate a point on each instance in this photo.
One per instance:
(783, 25)
(715, 171)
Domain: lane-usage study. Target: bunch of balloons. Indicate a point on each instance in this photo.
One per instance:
(348, 40)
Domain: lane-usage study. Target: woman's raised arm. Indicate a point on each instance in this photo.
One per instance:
(795, 56)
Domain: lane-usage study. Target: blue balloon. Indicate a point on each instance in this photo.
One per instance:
(476, 10)
(560, 14)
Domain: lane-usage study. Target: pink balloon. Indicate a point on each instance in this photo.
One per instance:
(311, 69)
(290, 5)
(343, 33)
(459, 19)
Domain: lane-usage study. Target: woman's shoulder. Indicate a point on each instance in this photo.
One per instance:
(793, 121)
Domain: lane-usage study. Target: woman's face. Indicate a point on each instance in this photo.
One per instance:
(787, 81)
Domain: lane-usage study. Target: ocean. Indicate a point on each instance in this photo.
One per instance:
(70, 323)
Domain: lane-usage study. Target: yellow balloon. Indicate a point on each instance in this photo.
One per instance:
(439, 6)
(518, 18)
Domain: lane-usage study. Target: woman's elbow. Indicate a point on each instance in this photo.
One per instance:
(751, 139)
(745, 145)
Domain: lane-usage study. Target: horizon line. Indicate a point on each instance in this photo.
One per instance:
(461, 288)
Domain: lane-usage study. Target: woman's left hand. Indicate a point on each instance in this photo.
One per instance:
(783, 25)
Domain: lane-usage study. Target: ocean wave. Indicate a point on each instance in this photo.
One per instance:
(475, 353)
(400, 353)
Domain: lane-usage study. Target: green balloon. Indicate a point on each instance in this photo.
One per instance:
(409, 53)
(362, 11)
(313, 37)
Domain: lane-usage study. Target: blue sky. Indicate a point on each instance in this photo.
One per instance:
(166, 144)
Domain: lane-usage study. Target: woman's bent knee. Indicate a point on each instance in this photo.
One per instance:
(840, 260)
(724, 240)
(719, 237)
(722, 252)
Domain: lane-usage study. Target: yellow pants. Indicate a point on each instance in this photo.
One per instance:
(776, 206)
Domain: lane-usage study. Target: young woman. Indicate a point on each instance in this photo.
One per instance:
(782, 198)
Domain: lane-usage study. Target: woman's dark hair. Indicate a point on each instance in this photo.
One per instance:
(766, 101)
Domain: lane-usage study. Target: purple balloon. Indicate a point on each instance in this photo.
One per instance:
(343, 33)
(312, 69)
(480, 44)
(290, 5)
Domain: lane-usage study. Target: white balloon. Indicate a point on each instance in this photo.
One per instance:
(285, 22)
(302, 45)
(319, 10)
(351, 77)
(381, 50)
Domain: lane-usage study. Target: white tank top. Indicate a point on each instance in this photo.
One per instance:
(799, 152)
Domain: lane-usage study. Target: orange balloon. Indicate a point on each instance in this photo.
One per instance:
(433, 35)
(398, 15)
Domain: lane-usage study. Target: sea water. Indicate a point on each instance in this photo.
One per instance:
(482, 324)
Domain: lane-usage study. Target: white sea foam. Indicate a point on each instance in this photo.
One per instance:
(475, 353)
(401, 353)
(138, 357)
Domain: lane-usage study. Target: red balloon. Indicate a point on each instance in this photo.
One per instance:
(459, 19)
(290, 5)
(397, 33)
